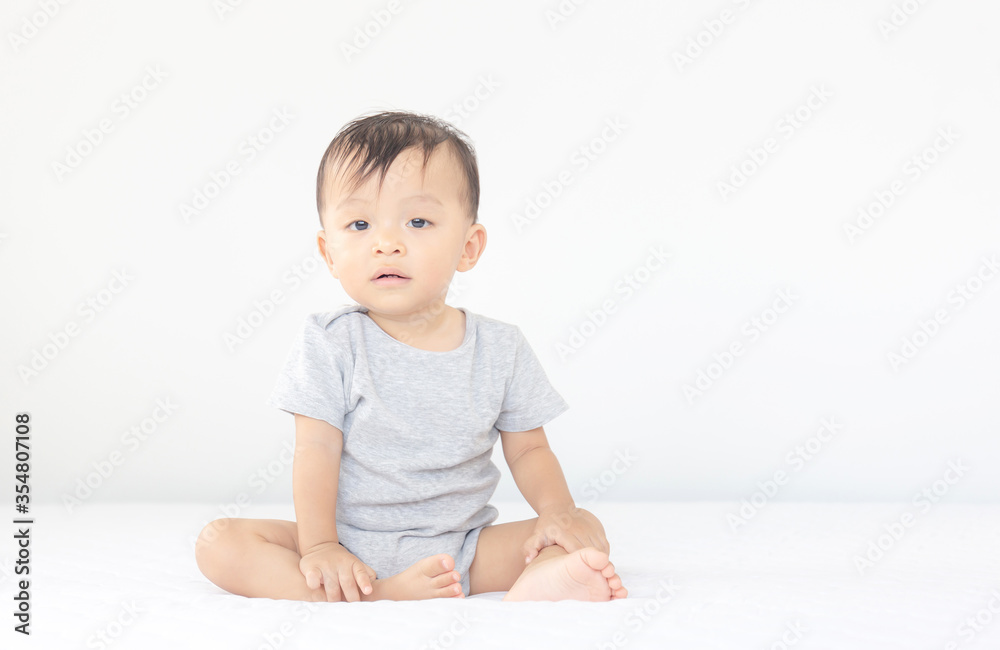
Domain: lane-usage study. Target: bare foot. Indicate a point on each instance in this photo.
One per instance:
(431, 577)
(586, 574)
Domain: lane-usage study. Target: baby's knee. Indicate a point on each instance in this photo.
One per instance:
(215, 536)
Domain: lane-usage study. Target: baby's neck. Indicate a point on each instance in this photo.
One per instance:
(435, 330)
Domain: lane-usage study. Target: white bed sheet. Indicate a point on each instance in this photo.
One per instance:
(786, 579)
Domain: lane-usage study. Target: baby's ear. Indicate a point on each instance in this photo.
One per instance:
(475, 244)
(325, 254)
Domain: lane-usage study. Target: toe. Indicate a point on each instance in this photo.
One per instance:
(451, 591)
(446, 579)
(614, 582)
(596, 560)
(437, 564)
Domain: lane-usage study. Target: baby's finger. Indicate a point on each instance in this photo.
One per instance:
(349, 587)
(531, 547)
(313, 580)
(332, 587)
(571, 543)
(362, 578)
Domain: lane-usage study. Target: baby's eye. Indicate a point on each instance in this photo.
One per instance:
(419, 223)
(359, 221)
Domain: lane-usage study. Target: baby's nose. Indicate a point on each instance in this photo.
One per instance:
(388, 239)
(387, 246)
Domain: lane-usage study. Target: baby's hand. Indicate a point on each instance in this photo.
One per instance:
(341, 572)
(571, 528)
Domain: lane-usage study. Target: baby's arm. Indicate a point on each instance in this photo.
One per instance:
(315, 477)
(538, 476)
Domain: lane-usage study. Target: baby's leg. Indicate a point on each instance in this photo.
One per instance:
(554, 574)
(259, 558)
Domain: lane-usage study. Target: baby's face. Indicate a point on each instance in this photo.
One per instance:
(416, 228)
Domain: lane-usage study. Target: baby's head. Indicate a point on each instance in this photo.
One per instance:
(399, 191)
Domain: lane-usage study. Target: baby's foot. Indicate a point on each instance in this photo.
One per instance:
(431, 577)
(586, 574)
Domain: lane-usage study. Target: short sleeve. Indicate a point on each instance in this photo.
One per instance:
(314, 380)
(530, 400)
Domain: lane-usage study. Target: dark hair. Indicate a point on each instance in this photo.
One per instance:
(378, 138)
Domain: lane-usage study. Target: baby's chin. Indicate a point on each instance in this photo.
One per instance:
(403, 309)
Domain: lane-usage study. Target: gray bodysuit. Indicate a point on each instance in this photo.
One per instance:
(419, 428)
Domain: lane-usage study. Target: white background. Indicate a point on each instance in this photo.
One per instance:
(535, 91)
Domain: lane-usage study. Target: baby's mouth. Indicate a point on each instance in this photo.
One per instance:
(390, 279)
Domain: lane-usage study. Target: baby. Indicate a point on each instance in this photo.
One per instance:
(399, 400)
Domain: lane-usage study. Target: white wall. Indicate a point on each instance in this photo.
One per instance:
(868, 103)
